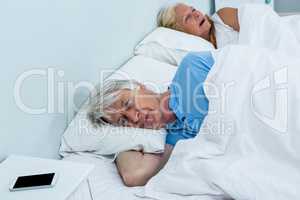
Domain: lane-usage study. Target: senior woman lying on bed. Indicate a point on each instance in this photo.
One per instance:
(180, 110)
(221, 29)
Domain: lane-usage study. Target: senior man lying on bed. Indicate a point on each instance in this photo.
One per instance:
(180, 110)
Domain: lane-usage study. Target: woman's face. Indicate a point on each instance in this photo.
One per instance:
(192, 21)
(136, 108)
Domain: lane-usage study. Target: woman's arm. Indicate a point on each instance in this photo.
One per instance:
(136, 168)
(230, 17)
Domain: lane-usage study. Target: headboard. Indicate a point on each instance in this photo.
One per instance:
(52, 48)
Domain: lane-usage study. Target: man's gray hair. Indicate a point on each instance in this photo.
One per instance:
(106, 95)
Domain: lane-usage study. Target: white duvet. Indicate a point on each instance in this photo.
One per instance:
(249, 144)
(261, 26)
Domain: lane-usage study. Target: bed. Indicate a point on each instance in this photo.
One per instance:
(102, 183)
(256, 157)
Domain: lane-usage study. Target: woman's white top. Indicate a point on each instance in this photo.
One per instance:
(224, 34)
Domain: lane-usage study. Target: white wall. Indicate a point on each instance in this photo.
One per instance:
(78, 37)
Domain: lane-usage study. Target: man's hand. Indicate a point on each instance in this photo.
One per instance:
(137, 168)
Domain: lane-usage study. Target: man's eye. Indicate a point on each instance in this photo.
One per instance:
(128, 104)
(123, 122)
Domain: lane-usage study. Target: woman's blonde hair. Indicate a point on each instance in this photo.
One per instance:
(167, 16)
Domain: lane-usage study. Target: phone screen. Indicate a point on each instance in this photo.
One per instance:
(34, 180)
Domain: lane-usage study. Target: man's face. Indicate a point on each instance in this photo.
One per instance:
(192, 21)
(138, 108)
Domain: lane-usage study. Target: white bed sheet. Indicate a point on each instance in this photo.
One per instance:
(103, 182)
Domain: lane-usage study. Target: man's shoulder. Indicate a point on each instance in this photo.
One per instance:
(197, 60)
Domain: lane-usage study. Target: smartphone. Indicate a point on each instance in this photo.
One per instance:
(36, 181)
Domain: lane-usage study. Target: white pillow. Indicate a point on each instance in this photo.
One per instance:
(147, 71)
(170, 46)
(81, 136)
